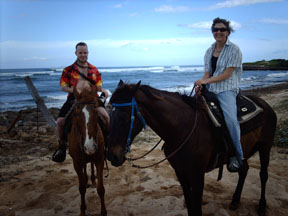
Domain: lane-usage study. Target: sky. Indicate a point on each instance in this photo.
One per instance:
(43, 33)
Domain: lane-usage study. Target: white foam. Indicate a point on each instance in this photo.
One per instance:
(277, 75)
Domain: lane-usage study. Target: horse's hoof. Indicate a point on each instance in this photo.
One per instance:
(234, 205)
(59, 156)
(262, 208)
(103, 212)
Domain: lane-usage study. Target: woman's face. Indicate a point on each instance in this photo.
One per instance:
(220, 32)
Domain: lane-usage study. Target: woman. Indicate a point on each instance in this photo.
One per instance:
(222, 75)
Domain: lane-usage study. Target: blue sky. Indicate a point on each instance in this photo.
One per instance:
(43, 33)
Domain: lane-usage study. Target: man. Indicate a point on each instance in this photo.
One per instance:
(80, 75)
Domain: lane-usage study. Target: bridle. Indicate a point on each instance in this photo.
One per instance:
(134, 106)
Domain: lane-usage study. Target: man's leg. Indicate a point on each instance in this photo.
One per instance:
(60, 154)
(102, 111)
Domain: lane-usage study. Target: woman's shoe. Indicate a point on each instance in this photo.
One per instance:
(233, 165)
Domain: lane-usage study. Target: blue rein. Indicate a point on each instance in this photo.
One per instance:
(132, 104)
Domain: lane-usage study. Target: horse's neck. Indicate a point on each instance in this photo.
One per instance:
(166, 118)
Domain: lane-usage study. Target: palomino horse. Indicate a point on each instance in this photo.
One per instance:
(86, 143)
(188, 134)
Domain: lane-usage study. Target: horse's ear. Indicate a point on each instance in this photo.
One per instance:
(138, 84)
(121, 83)
(136, 87)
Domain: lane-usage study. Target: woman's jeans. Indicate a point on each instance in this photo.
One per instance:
(227, 101)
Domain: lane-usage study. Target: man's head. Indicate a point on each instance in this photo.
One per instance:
(81, 52)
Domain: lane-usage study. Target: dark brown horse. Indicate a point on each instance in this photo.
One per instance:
(188, 127)
(86, 144)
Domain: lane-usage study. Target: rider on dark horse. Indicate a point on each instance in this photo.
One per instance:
(222, 75)
(80, 75)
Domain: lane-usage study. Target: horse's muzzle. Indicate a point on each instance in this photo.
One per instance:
(115, 159)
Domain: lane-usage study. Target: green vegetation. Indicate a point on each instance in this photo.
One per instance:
(281, 136)
(274, 63)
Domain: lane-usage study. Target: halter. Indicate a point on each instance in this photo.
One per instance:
(132, 104)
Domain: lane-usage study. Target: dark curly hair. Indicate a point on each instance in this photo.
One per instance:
(223, 21)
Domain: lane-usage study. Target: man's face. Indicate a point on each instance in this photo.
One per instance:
(82, 53)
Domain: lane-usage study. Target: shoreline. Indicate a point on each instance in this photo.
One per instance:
(253, 90)
(267, 89)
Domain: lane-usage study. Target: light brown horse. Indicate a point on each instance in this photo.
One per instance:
(86, 144)
(190, 143)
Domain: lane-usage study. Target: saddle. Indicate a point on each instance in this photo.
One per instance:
(246, 108)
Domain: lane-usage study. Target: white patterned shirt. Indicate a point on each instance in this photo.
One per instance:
(230, 56)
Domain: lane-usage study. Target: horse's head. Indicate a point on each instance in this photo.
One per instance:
(125, 123)
(86, 117)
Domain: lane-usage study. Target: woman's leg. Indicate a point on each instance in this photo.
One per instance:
(227, 101)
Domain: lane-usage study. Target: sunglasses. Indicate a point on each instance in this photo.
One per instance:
(219, 29)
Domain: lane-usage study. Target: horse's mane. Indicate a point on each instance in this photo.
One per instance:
(151, 92)
(88, 96)
(125, 92)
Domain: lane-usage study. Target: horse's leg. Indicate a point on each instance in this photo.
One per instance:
(193, 192)
(93, 182)
(264, 153)
(82, 178)
(237, 194)
(100, 185)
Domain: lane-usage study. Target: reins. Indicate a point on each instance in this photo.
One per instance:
(173, 153)
(134, 159)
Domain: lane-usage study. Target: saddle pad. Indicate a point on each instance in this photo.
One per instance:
(246, 110)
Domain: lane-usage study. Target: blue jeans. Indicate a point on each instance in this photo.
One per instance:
(227, 101)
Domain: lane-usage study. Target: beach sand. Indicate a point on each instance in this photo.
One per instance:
(31, 184)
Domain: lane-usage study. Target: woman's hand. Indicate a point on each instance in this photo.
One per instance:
(199, 85)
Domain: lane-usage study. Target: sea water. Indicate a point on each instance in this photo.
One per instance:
(14, 94)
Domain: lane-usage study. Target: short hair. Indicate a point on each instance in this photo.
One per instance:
(80, 44)
(223, 21)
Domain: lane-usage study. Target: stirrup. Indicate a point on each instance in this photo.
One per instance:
(233, 165)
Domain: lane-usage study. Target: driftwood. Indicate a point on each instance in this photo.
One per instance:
(40, 102)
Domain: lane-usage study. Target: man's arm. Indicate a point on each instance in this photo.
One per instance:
(67, 89)
(100, 89)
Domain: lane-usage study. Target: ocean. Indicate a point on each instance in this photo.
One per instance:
(15, 96)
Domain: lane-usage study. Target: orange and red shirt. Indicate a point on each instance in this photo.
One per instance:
(70, 76)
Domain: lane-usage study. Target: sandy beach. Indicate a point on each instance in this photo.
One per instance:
(31, 184)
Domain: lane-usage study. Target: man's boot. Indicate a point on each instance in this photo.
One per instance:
(60, 154)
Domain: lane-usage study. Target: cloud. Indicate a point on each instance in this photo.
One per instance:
(237, 3)
(273, 21)
(206, 25)
(171, 9)
(117, 6)
(198, 25)
(36, 58)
